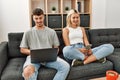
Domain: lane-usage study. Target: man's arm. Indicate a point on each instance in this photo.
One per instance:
(24, 44)
(25, 51)
(56, 47)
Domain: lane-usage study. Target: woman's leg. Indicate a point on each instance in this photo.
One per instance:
(62, 68)
(30, 70)
(100, 52)
(71, 53)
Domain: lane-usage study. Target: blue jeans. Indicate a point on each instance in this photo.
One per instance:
(72, 52)
(60, 65)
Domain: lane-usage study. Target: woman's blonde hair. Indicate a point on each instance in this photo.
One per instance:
(68, 19)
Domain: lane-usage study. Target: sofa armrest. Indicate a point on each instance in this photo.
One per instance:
(3, 55)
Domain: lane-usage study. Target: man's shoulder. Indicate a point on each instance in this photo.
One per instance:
(29, 30)
(49, 29)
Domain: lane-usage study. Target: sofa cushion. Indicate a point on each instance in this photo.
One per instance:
(89, 70)
(3, 56)
(116, 52)
(116, 61)
(13, 70)
(102, 36)
(115, 58)
(13, 44)
(59, 34)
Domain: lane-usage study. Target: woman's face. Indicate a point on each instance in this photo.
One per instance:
(75, 19)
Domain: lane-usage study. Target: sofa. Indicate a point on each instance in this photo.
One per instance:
(11, 59)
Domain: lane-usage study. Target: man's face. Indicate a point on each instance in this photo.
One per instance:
(39, 20)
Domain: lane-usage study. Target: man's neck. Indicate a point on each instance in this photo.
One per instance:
(40, 27)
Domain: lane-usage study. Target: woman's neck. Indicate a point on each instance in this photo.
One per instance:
(74, 26)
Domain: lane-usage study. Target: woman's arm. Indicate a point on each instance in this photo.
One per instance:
(85, 39)
(65, 35)
(86, 42)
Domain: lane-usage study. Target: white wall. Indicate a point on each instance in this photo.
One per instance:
(14, 17)
(113, 14)
(105, 14)
(98, 13)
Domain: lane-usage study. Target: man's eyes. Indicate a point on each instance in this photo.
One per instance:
(38, 18)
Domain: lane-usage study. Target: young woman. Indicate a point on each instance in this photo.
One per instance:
(76, 40)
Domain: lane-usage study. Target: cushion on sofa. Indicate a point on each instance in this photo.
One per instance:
(14, 43)
(13, 70)
(116, 61)
(59, 34)
(3, 56)
(89, 70)
(102, 36)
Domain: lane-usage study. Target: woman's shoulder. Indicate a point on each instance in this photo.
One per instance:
(66, 29)
(82, 28)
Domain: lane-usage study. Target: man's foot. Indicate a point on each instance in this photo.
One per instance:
(76, 62)
(102, 60)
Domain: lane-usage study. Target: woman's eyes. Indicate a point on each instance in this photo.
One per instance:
(75, 17)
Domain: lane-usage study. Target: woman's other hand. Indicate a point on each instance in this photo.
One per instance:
(83, 50)
(89, 52)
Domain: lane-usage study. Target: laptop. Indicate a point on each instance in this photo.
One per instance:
(44, 55)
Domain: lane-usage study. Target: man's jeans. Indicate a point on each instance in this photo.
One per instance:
(72, 52)
(60, 65)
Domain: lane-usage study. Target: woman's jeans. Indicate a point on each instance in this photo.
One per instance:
(60, 65)
(72, 52)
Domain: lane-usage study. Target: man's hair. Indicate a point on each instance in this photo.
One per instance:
(37, 11)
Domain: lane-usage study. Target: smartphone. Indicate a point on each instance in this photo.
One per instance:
(88, 47)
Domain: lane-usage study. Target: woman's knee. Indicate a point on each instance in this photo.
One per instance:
(110, 47)
(28, 71)
(67, 49)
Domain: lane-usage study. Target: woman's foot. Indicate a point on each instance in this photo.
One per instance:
(76, 62)
(102, 60)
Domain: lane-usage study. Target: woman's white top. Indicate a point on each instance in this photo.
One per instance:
(75, 35)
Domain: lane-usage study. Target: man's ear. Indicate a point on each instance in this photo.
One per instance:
(33, 17)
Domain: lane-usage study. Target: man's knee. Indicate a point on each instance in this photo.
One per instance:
(28, 71)
(67, 67)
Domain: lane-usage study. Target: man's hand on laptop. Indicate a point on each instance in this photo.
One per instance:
(25, 51)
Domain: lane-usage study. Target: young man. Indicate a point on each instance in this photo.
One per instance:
(40, 37)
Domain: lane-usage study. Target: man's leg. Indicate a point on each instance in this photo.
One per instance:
(62, 68)
(30, 70)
